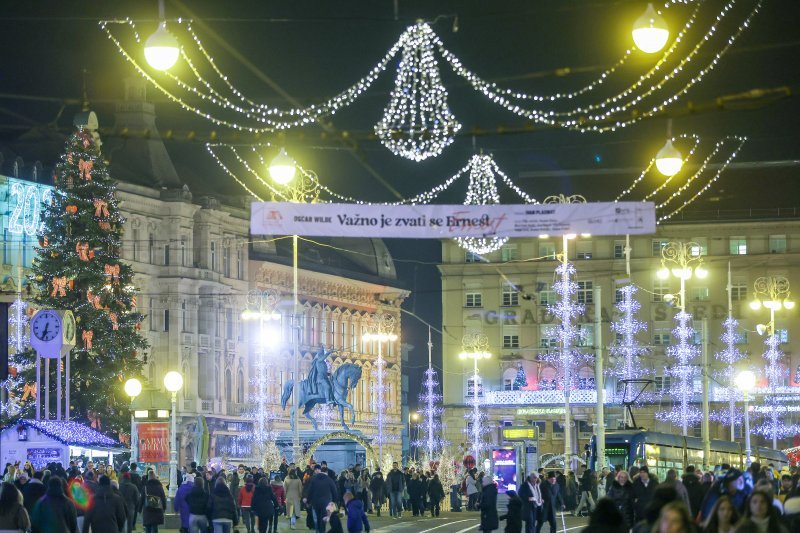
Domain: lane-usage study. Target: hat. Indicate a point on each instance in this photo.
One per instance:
(731, 475)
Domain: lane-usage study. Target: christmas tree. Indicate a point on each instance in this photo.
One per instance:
(521, 381)
(78, 267)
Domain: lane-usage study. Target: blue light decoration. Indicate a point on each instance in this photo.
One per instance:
(683, 373)
(25, 200)
(19, 342)
(70, 433)
(772, 425)
(729, 356)
(627, 350)
(430, 427)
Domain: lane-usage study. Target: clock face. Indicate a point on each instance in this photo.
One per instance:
(46, 326)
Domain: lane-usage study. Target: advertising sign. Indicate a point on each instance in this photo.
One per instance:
(40, 457)
(504, 468)
(515, 433)
(153, 442)
(448, 221)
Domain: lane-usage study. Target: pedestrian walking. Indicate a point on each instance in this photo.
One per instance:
(586, 492)
(280, 496)
(321, 491)
(221, 508)
(54, 512)
(332, 518)
(552, 501)
(294, 495)
(131, 497)
(245, 502)
(357, 520)
(13, 515)
(180, 505)
(513, 516)
(377, 487)
(154, 502)
(530, 496)
(621, 493)
(106, 514)
(435, 494)
(396, 483)
(263, 505)
(488, 506)
(197, 500)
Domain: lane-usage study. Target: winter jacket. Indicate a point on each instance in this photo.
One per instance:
(489, 520)
(197, 500)
(435, 490)
(293, 491)
(130, 495)
(376, 487)
(622, 496)
(513, 516)
(221, 506)
(321, 491)
(586, 481)
(395, 481)
(54, 512)
(153, 516)
(471, 487)
(106, 514)
(31, 492)
(180, 505)
(16, 518)
(356, 517)
(641, 496)
(245, 498)
(280, 495)
(264, 502)
(696, 492)
(336, 523)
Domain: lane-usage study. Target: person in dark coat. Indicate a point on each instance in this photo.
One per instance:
(321, 491)
(513, 516)
(621, 493)
(552, 500)
(154, 502)
(488, 506)
(130, 496)
(694, 488)
(32, 491)
(263, 505)
(643, 488)
(435, 494)
(180, 505)
(415, 495)
(221, 507)
(197, 500)
(54, 512)
(376, 487)
(357, 520)
(530, 494)
(107, 511)
(606, 518)
(13, 516)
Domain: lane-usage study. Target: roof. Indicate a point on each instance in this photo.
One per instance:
(69, 432)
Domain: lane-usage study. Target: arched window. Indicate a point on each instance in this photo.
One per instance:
(228, 385)
(586, 378)
(547, 379)
(240, 387)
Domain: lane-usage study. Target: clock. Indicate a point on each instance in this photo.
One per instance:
(68, 321)
(47, 335)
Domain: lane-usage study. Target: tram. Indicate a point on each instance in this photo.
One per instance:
(662, 451)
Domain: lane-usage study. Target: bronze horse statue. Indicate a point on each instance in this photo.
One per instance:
(342, 380)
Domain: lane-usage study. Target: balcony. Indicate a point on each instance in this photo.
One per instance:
(538, 397)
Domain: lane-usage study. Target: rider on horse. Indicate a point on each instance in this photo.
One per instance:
(319, 379)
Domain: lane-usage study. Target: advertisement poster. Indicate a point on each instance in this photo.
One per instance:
(40, 457)
(153, 445)
(504, 463)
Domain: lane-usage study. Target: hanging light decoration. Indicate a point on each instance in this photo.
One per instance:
(282, 168)
(417, 122)
(650, 31)
(161, 49)
(669, 160)
(683, 372)
(628, 350)
(482, 190)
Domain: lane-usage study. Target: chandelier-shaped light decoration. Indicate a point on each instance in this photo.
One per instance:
(417, 122)
(627, 350)
(729, 356)
(773, 426)
(682, 372)
(431, 426)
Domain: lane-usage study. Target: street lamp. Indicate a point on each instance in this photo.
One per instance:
(669, 160)
(412, 417)
(282, 170)
(161, 49)
(745, 382)
(173, 382)
(476, 347)
(773, 293)
(650, 31)
(381, 327)
(133, 388)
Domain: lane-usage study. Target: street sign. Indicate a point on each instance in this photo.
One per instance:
(520, 433)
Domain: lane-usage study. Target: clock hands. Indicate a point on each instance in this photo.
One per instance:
(46, 327)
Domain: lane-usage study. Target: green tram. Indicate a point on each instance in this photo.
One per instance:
(662, 451)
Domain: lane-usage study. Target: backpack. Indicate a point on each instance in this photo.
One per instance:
(152, 502)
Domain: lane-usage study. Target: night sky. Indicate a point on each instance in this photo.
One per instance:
(314, 49)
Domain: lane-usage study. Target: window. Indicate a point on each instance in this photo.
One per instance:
(342, 340)
(658, 244)
(213, 264)
(782, 335)
(152, 313)
(585, 295)
(332, 334)
(510, 341)
(738, 291)
(135, 243)
(547, 250)
(353, 337)
(662, 334)
(471, 386)
(738, 246)
(509, 252)
(183, 251)
(184, 316)
(660, 288)
(166, 255)
(239, 264)
(229, 324)
(473, 299)
(472, 257)
(226, 260)
(166, 319)
(619, 249)
(585, 335)
(777, 244)
(240, 387)
(584, 249)
(558, 430)
(698, 294)
(510, 295)
(151, 241)
(548, 337)
(547, 297)
(618, 296)
(663, 383)
(312, 331)
(741, 337)
(700, 247)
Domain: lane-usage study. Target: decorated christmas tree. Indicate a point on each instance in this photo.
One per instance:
(521, 381)
(78, 268)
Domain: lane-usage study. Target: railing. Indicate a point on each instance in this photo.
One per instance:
(737, 214)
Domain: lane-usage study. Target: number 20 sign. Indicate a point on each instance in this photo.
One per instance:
(25, 206)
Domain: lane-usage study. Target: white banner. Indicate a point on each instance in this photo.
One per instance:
(448, 221)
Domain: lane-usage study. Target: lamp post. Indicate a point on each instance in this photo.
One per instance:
(476, 346)
(412, 417)
(133, 388)
(381, 329)
(745, 382)
(684, 260)
(773, 293)
(261, 306)
(173, 382)
(282, 170)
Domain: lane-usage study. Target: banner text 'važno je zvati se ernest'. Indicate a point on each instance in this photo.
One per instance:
(448, 221)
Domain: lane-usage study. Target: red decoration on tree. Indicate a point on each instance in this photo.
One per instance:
(112, 271)
(83, 250)
(59, 286)
(87, 336)
(72, 209)
(93, 299)
(105, 226)
(85, 168)
(114, 321)
(100, 208)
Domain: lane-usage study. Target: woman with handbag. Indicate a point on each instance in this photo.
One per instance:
(154, 502)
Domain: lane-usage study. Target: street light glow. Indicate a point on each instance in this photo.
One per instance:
(650, 31)
(173, 381)
(746, 381)
(282, 168)
(133, 388)
(669, 160)
(161, 49)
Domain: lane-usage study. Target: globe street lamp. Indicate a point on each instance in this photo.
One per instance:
(161, 49)
(283, 170)
(173, 382)
(133, 388)
(381, 326)
(745, 382)
(650, 31)
(476, 347)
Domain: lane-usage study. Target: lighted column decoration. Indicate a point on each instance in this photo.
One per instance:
(627, 368)
(380, 328)
(773, 293)
(261, 306)
(745, 382)
(476, 347)
(431, 410)
(173, 382)
(683, 260)
(133, 388)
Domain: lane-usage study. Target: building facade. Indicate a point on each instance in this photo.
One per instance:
(505, 295)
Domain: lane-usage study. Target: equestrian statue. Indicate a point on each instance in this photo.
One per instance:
(320, 387)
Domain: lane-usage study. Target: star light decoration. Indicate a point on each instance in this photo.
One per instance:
(628, 350)
(683, 373)
(729, 392)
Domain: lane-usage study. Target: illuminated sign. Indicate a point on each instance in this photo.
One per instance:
(616, 451)
(520, 433)
(24, 206)
(540, 411)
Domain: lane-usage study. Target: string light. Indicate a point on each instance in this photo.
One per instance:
(683, 373)
(71, 433)
(482, 190)
(431, 425)
(772, 426)
(730, 355)
(628, 350)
